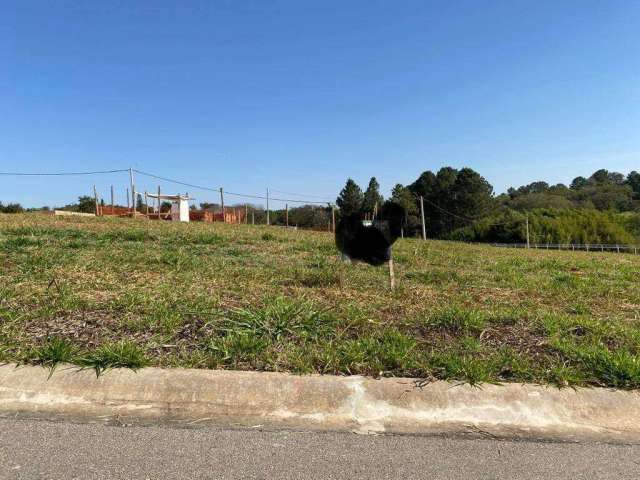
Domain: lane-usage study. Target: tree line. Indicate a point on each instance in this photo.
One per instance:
(460, 205)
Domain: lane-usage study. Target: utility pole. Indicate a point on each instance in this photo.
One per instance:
(222, 204)
(267, 206)
(424, 230)
(111, 199)
(133, 190)
(527, 223)
(95, 196)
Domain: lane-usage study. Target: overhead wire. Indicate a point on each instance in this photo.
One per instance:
(49, 174)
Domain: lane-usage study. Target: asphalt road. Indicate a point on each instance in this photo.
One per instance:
(39, 449)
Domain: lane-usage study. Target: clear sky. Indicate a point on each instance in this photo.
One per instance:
(300, 95)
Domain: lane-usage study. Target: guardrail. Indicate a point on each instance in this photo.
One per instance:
(585, 247)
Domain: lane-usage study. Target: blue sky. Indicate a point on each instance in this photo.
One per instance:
(298, 96)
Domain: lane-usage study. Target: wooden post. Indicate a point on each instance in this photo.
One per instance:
(286, 214)
(133, 190)
(222, 204)
(128, 200)
(424, 229)
(253, 217)
(95, 196)
(267, 206)
(111, 199)
(527, 223)
(333, 218)
(146, 202)
(392, 276)
(246, 214)
(159, 203)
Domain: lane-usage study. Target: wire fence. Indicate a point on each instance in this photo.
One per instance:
(585, 247)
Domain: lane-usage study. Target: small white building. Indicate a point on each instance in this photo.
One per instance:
(180, 209)
(179, 206)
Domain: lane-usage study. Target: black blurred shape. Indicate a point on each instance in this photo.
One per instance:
(370, 243)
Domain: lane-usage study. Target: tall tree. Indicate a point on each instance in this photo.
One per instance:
(633, 180)
(350, 199)
(372, 197)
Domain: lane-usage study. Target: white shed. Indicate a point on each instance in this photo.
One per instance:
(179, 206)
(180, 209)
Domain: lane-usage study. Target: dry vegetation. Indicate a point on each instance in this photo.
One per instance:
(109, 292)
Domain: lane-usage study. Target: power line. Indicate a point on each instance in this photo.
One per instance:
(321, 197)
(243, 195)
(59, 174)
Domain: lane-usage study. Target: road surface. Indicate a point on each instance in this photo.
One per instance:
(32, 449)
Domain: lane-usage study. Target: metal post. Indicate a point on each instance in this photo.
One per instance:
(222, 204)
(146, 202)
(527, 222)
(111, 199)
(424, 230)
(159, 203)
(267, 206)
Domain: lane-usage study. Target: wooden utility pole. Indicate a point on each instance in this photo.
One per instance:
(527, 224)
(333, 218)
(222, 205)
(111, 199)
(95, 196)
(286, 214)
(267, 206)
(424, 229)
(133, 190)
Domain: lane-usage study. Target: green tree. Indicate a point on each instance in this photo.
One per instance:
(86, 204)
(633, 180)
(350, 199)
(372, 197)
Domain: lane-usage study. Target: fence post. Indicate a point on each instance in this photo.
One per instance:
(95, 197)
(527, 223)
(222, 205)
(246, 214)
(333, 218)
(128, 200)
(133, 191)
(111, 199)
(424, 231)
(286, 214)
(268, 223)
(159, 203)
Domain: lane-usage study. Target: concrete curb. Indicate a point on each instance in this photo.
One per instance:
(276, 400)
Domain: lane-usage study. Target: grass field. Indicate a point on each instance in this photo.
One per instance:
(103, 293)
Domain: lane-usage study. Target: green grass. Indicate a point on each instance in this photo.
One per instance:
(109, 293)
